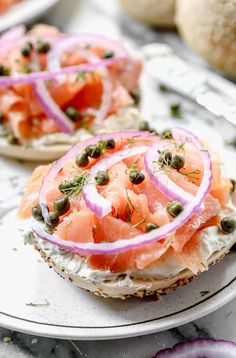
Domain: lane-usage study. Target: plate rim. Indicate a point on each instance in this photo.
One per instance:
(51, 330)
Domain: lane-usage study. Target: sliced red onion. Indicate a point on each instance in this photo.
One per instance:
(160, 179)
(47, 75)
(51, 108)
(140, 240)
(95, 201)
(83, 39)
(201, 347)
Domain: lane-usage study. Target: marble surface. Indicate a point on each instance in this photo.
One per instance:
(104, 16)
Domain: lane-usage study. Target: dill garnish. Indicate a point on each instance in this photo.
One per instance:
(74, 187)
(31, 304)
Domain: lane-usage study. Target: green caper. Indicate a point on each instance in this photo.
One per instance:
(4, 71)
(165, 157)
(93, 151)
(175, 109)
(72, 113)
(61, 205)
(166, 134)
(82, 160)
(52, 220)
(177, 162)
(102, 178)
(228, 224)
(136, 177)
(151, 226)
(144, 126)
(12, 139)
(26, 49)
(110, 144)
(108, 54)
(174, 208)
(1, 118)
(43, 47)
(65, 184)
(37, 213)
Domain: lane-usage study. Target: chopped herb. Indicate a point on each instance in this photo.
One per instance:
(175, 110)
(139, 223)
(166, 134)
(31, 304)
(204, 293)
(81, 76)
(190, 175)
(4, 71)
(26, 49)
(74, 187)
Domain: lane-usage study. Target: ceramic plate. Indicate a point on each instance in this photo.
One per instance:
(24, 12)
(35, 300)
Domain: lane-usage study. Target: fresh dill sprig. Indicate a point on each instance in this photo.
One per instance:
(132, 167)
(74, 186)
(189, 175)
(139, 223)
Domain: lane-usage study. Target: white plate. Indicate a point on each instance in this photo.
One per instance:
(24, 12)
(76, 314)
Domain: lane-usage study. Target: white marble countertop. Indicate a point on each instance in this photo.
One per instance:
(105, 17)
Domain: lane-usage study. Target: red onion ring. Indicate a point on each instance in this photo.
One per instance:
(47, 75)
(161, 180)
(96, 202)
(140, 240)
(51, 108)
(201, 347)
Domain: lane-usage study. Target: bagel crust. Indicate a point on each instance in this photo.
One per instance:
(209, 27)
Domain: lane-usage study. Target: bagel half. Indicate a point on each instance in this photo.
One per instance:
(139, 283)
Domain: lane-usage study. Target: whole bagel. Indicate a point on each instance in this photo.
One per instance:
(152, 12)
(209, 27)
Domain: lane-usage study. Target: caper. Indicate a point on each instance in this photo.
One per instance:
(166, 134)
(177, 162)
(26, 49)
(1, 118)
(175, 109)
(174, 208)
(61, 205)
(4, 71)
(102, 178)
(12, 139)
(72, 113)
(228, 224)
(144, 126)
(108, 54)
(82, 160)
(93, 151)
(151, 226)
(165, 157)
(136, 177)
(37, 213)
(43, 47)
(52, 220)
(110, 144)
